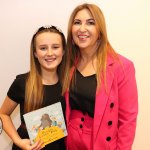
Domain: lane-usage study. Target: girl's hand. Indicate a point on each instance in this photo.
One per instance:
(25, 144)
(38, 145)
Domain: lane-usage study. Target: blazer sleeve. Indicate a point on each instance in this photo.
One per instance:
(128, 106)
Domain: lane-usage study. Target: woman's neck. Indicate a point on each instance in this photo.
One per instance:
(88, 54)
(87, 64)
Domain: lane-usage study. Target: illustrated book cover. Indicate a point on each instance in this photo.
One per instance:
(46, 123)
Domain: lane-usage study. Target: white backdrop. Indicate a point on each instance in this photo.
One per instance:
(128, 25)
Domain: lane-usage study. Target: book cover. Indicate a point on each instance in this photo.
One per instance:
(46, 123)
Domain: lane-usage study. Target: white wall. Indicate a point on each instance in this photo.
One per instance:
(128, 24)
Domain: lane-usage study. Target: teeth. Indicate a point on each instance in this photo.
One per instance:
(82, 36)
(49, 60)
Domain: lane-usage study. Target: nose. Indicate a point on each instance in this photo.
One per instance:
(49, 52)
(83, 27)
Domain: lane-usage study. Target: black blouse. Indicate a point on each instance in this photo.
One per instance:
(52, 94)
(82, 96)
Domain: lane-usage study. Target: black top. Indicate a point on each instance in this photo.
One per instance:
(82, 96)
(52, 94)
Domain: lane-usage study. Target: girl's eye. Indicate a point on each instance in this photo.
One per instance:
(56, 47)
(43, 48)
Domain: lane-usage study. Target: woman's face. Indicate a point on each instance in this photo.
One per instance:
(84, 32)
(49, 50)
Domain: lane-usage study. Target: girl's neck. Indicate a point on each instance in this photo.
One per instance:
(49, 77)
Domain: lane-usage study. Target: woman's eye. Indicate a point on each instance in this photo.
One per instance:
(91, 23)
(76, 22)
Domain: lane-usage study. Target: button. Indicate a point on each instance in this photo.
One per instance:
(81, 126)
(109, 123)
(112, 105)
(108, 138)
(82, 119)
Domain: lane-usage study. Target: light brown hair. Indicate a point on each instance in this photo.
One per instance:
(34, 87)
(103, 49)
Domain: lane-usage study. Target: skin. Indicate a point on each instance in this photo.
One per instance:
(85, 35)
(49, 52)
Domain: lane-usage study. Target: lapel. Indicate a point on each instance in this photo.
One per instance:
(68, 109)
(102, 98)
(67, 106)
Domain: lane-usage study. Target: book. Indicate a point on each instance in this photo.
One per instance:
(46, 123)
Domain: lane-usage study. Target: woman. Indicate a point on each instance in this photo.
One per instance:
(101, 97)
(38, 88)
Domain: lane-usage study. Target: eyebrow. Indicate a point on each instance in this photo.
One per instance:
(52, 44)
(57, 44)
(43, 45)
(91, 19)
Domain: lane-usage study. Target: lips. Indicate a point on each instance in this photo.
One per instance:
(83, 37)
(50, 59)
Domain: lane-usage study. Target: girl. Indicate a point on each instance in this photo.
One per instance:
(38, 88)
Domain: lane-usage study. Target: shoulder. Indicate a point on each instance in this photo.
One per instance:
(20, 80)
(21, 77)
(126, 64)
(125, 61)
(121, 63)
(121, 66)
(17, 88)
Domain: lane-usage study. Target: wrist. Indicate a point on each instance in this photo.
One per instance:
(17, 141)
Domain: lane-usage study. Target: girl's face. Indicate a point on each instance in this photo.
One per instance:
(49, 50)
(84, 32)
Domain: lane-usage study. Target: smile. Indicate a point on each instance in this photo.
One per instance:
(83, 37)
(50, 59)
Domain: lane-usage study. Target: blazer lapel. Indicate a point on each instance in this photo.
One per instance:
(68, 109)
(102, 99)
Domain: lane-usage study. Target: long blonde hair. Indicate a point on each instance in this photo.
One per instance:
(103, 49)
(34, 87)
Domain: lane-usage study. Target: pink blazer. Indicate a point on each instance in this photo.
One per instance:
(115, 110)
